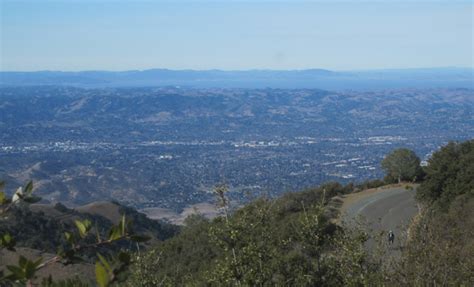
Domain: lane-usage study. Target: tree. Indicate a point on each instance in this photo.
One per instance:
(402, 164)
(449, 174)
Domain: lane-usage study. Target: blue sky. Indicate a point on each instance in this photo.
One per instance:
(234, 35)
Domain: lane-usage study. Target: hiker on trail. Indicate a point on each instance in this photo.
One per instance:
(391, 237)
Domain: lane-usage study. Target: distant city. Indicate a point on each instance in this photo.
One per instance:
(168, 147)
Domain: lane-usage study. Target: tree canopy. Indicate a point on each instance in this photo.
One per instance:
(402, 165)
(449, 174)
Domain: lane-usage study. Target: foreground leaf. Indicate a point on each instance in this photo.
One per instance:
(101, 275)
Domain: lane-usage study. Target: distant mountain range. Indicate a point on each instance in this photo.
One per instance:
(312, 78)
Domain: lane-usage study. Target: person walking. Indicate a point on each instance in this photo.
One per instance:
(391, 237)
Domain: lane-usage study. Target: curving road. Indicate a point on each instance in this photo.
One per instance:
(383, 209)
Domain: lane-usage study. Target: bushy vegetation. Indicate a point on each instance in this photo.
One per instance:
(370, 184)
(440, 251)
(33, 230)
(449, 174)
(287, 241)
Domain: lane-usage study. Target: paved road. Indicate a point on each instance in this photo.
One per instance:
(387, 209)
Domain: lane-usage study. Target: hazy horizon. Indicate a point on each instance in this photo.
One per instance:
(241, 70)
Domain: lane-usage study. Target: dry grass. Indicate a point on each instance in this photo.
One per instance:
(105, 209)
(206, 209)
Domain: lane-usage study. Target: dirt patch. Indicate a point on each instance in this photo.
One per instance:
(206, 209)
(158, 213)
